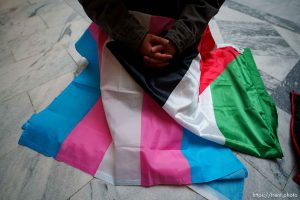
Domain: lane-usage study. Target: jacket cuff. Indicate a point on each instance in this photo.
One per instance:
(181, 36)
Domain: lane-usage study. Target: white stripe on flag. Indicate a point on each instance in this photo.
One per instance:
(122, 100)
(105, 170)
(192, 111)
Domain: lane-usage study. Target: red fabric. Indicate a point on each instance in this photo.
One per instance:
(297, 179)
(292, 123)
(213, 64)
(207, 42)
(213, 61)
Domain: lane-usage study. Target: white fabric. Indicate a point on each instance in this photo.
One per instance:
(122, 101)
(192, 111)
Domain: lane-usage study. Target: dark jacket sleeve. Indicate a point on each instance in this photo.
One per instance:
(192, 22)
(116, 21)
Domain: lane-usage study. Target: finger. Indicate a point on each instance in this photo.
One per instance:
(162, 57)
(157, 48)
(154, 62)
(159, 40)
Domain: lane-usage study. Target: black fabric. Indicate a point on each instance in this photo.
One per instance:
(158, 82)
(167, 8)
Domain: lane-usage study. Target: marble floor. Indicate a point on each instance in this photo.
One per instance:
(38, 60)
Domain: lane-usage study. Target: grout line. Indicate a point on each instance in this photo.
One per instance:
(196, 192)
(81, 188)
(29, 2)
(18, 93)
(8, 152)
(260, 173)
(264, 16)
(289, 176)
(31, 101)
(4, 100)
(45, 23)
(13, 55)
(76, 11)
(276, 27)
(72, 57)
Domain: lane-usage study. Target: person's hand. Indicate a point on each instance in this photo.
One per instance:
(152, 48)
(169, 49)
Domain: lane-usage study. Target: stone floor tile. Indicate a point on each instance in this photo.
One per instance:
(6, 56)
(291, 186)
(256, 183)
(22, 12)
(42, 1)
(270, 82)
(288, 10)
(293, 39)
(5, 5)
(63, 181)
(166, 193)
(94, 190)
(76, 6)
(11, 29)
(97, 189)
(37, 43)
(273, 65)
(14, 112)
(43, 95)
(281, 95)
(27, 175)
(262, 38)
(32, 72)
(227, 14)
(270, 18)
(57, 14)
(72, 31)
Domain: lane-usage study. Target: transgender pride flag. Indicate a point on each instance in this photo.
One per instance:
(104, 123)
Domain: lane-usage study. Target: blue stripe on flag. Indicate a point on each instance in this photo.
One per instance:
(46, 131)
(208, 161)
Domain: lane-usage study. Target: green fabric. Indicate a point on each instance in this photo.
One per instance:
(245, 113)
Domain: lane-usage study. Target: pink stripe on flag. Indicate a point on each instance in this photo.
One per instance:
(86, 145)
(100, 36)
(95, 30)
(162, 161)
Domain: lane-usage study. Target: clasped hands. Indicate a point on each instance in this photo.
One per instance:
(157, 51)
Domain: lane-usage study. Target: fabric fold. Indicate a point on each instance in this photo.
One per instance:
(131, 125)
